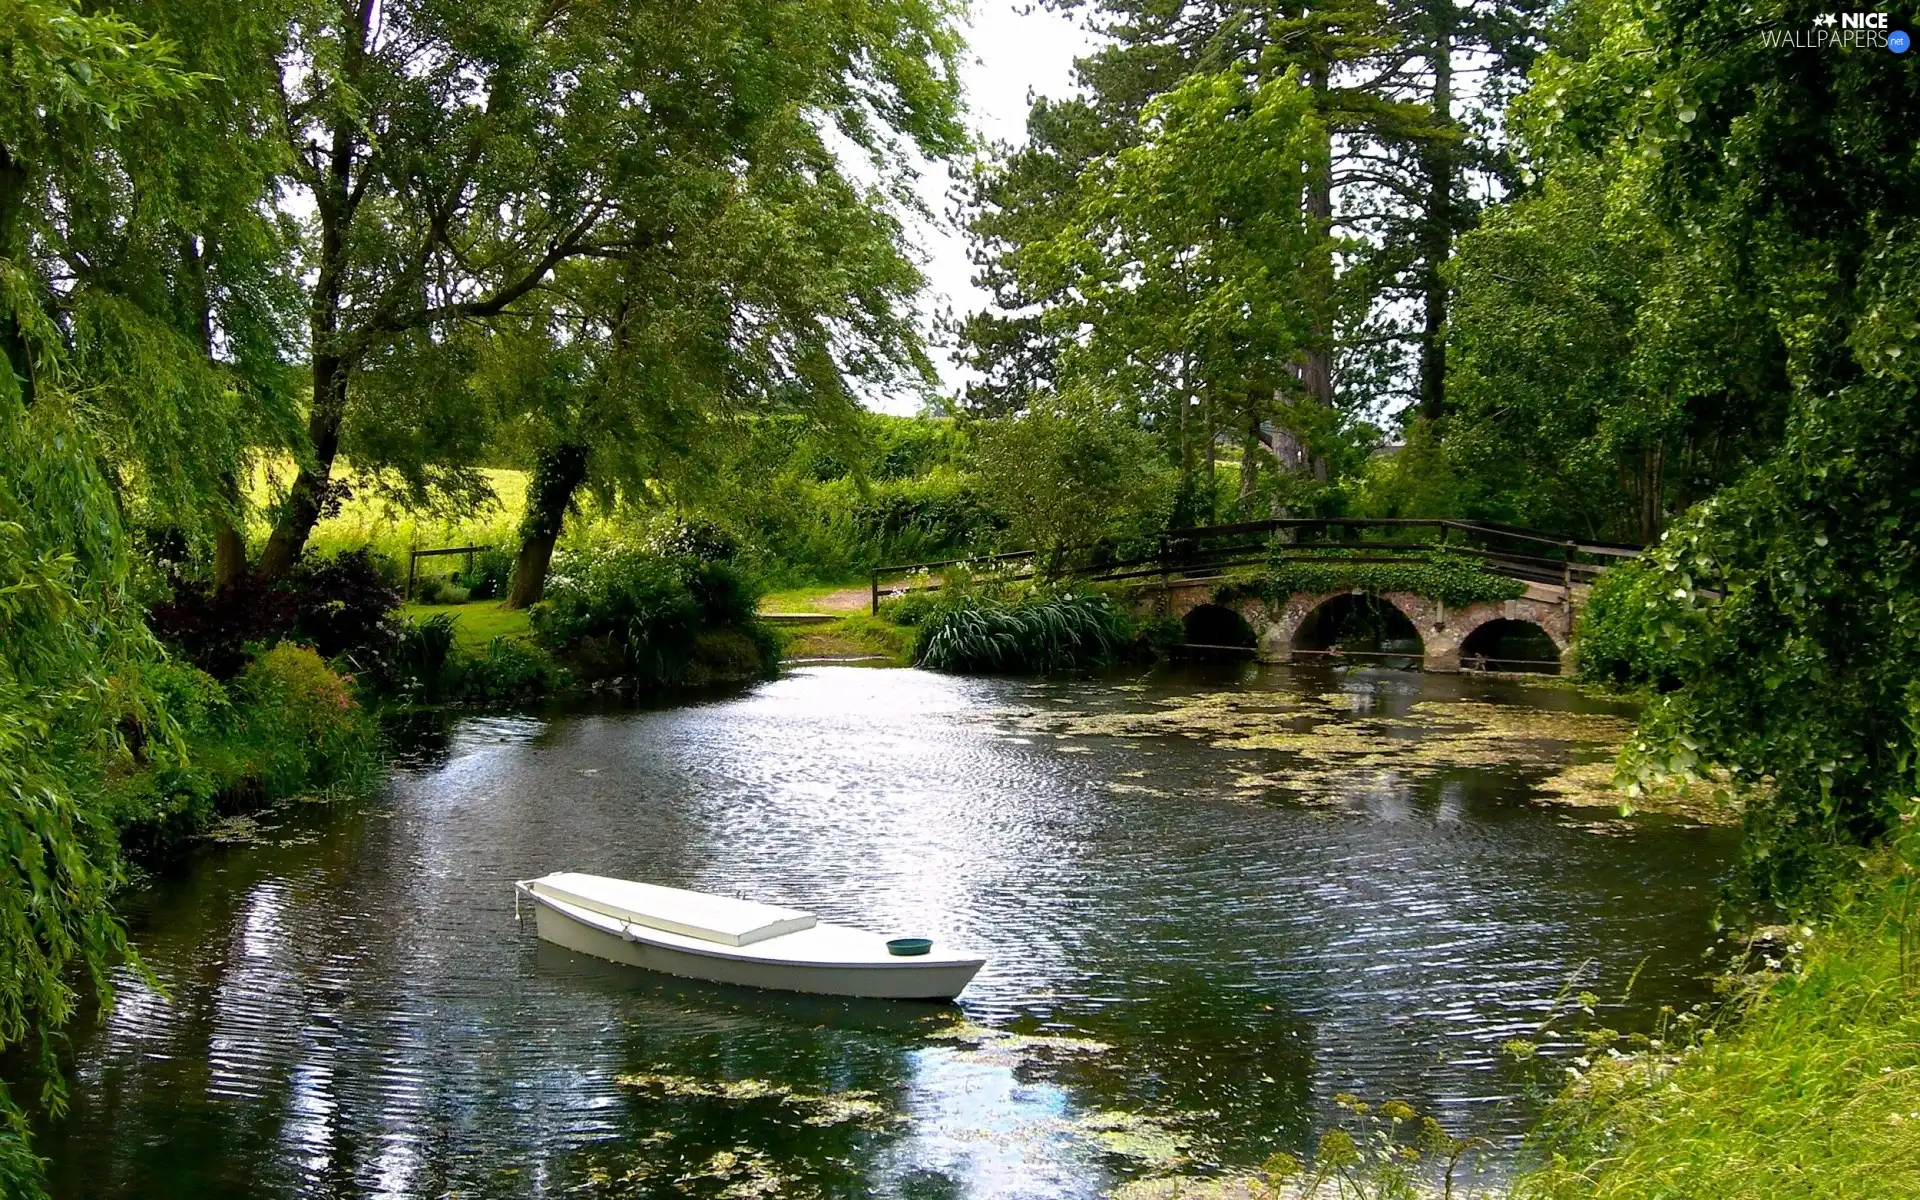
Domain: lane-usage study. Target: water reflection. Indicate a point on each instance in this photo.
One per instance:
(1182, 972)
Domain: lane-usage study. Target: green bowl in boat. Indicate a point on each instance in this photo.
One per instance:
(909, 947)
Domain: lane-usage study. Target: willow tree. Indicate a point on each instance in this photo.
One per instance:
(772, 285)
(457, 156)
(180, 287)
(71, 639)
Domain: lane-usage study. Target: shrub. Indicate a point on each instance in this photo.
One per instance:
(1627, 632)
(300, 723)
(421, 655)
(702, 541)
(288, 724)
(509, 669)
(158, 799)
(218, 630)
(488, 579)
(344, 605)
(627, 611)
(914, 608)
(1041, 633)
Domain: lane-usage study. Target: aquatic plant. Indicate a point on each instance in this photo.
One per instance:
(1045, 633)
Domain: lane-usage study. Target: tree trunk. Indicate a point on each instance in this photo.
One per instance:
(229, 547)
(1316, 374)
(15, 357)
(557, 475)
(1249, 456)
(1436, 233)
(335, 203)
(304, 501)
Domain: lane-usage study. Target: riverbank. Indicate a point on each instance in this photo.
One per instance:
(1809, 1085)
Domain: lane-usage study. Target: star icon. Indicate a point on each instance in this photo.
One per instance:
(1826, 19)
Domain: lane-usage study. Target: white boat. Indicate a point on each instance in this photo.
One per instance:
(726, 940)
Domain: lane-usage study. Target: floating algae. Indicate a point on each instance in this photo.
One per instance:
(985, 1039)
(815, 1108)
(1148, 1141)
(1336, 747)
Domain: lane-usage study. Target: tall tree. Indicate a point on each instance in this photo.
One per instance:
(1407, 93)
(1189, 274)
(457, 156)
(760, 280)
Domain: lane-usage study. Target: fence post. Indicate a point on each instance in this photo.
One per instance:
(876, 591)
(413, 562)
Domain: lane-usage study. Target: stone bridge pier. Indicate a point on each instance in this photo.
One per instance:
(1443, 630)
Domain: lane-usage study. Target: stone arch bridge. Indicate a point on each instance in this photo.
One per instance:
(1191, 567)
(1443, 630)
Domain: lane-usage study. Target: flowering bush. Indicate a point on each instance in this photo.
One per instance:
(300, 721)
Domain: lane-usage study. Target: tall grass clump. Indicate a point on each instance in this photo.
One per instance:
(1814, 1090)
(1036, 634)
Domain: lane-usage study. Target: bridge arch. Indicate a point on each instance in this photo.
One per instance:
(1473, 630)
(1282, 637)
(1215, 624)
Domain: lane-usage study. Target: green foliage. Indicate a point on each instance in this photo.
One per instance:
(653, 621)
(508, 669)
(1039, 633)
(1607, 373)
(1068, 476)
(301, 723)
(429, 662)
(1448, 578)
(801, 531)
(1796, 587)
(1810, 1087)
(1188, 272)
(1628, 631)
(288, 726)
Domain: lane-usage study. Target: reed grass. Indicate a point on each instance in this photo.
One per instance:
(1813, 1090)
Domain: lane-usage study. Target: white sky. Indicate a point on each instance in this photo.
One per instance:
(1015, 49)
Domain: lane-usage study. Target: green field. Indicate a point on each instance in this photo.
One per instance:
(476, 624)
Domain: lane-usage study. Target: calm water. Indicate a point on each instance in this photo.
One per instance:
(1195, 942)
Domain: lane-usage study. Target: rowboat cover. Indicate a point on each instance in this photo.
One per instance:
(723, 919)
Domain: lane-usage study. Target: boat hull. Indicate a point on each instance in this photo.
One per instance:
(903, 981)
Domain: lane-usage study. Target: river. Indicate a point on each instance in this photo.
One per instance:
(1212, 899)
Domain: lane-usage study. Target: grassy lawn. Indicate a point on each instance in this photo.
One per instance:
(474, 625)
(823, 598)
(856, 635)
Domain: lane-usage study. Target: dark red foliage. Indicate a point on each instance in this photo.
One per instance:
(339, 606)
(344, 605)
(214, 628)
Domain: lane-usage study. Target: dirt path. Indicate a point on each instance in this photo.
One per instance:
(846, 600)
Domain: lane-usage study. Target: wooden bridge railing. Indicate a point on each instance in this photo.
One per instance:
(1208, 551)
